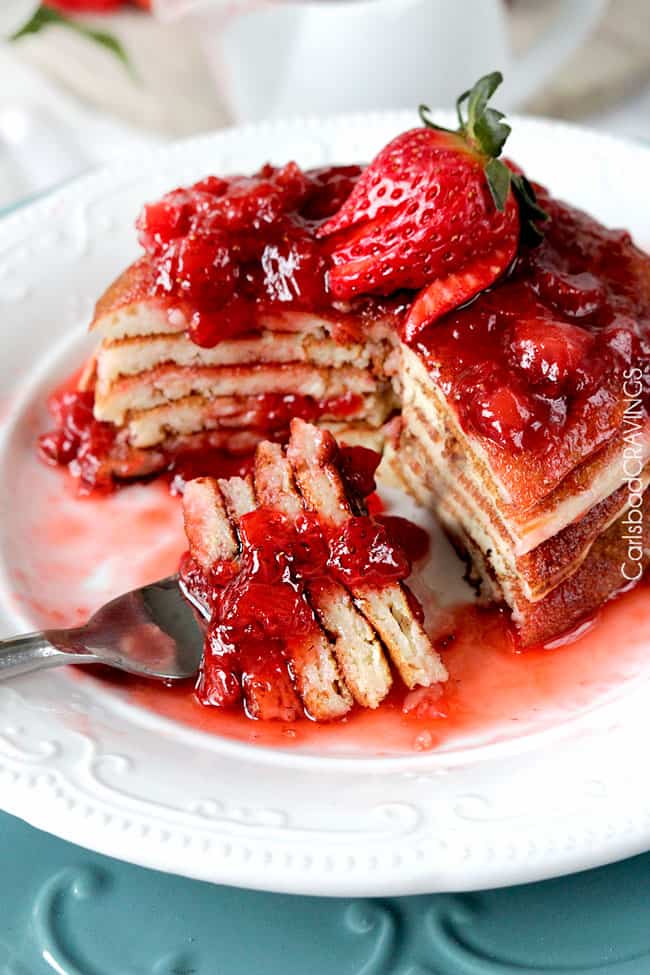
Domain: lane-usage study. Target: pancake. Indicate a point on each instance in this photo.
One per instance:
(158, 393)
(342, 655)
(509, 417)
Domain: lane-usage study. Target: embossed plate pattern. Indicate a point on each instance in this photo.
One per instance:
(87, 766)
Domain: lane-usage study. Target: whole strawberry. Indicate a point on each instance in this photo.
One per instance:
(436, 210)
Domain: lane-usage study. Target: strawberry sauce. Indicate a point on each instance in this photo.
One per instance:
(232, 247)
(493, 694)
(67, 560)
(537, 365)
(78, 441)
(259, 604)
(83, 444)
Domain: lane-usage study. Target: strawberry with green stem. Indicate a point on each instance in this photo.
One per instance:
(437, 211)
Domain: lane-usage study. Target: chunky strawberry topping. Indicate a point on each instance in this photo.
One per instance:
(549, 353)
(228, 248)
(358, 466)
(362, 552)
(541, 361)
(530, 314)
(91, 452)
(273, 412)
(258, 601)
(79, 441)
(413, 540)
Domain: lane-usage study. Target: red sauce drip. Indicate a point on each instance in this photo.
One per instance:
(540, 360)
(232, 247)
(412, 538)
(358, 467)
(255, 602)
(273, 412)
(85, 445)
(79, 441)
(206, 463)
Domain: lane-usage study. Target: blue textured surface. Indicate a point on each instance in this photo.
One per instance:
(69, 911)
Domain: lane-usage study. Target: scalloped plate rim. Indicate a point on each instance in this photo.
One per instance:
(355, 880)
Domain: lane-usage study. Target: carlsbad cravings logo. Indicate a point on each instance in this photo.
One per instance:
(632, 567)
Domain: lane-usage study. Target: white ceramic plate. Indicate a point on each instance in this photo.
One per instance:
(542, 793)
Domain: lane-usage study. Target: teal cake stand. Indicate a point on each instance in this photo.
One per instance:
(67, 911)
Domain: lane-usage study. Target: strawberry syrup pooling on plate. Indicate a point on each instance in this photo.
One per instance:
(493, 693)
(69, 560)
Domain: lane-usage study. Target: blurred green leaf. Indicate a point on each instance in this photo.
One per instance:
(46, 17)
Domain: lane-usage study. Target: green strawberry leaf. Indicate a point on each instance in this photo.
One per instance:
(425, 112)
(41, 19)
(530, 212)
(46, 17)
(460, 101)
(479, 97)
(485, 130)
(490, 132)
(499, 178)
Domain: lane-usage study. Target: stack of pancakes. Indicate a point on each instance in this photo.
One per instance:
(549, 534)
(166, 395)
(553, 550)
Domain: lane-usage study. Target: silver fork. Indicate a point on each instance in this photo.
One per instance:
(152, 632)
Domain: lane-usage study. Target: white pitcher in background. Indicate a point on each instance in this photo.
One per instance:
(278, 58)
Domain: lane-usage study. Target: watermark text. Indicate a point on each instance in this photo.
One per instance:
(633, 463)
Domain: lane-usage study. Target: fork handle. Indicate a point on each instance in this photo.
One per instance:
(33, 651)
